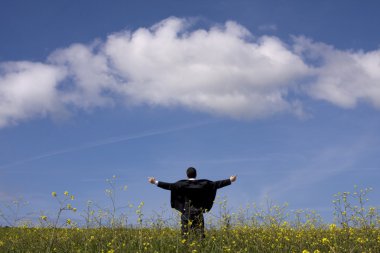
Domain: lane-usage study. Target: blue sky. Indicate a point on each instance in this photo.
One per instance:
(285, 94)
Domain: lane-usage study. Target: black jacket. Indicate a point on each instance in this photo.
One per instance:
(198, 193)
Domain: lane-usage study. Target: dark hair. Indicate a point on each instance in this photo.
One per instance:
(191, 172)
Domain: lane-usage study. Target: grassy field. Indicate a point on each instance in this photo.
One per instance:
(236, 239)
(271, 228)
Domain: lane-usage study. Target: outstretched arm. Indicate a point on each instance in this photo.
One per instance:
(163, 185)
(223, 183)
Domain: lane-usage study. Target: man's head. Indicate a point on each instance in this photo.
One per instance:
(191, 172)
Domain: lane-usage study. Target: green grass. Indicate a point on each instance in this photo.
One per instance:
(236, 239)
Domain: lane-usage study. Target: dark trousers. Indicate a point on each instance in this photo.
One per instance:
(192, 223)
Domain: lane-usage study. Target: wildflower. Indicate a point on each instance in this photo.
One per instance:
(54, 194)
(332, 226)
(72, 197)
(305, 251)
(360, 240)
(66, 193)
(1, 243)
(325, 241)
(183, 241)
(68, 221)
(317, 251)
(74, 209)
(43, 217)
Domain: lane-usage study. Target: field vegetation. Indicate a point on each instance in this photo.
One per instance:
(269, 228)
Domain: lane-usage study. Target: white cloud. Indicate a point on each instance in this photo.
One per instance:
(216, 71)
(90, 76)
(28, 90)
(222, 70)
(343, 78)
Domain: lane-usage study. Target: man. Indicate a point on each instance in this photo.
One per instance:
(192, 198)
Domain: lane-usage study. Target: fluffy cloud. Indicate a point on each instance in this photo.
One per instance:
(343, 78)
(90, 79)
(28, 90)
(216, 71)
(223, 70)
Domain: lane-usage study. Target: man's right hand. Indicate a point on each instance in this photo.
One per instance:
(151, 180)
(233, 178)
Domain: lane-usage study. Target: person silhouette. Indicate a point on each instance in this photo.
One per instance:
(192, 198)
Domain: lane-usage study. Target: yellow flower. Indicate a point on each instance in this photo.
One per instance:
(66, 193)
(317, 251)
(68, 221)
(43, 217)
(1, 243)
(74, 209)
(325, 241)
(72, 197)
(332, 226)
(360, 240)
(351, 231)
(54, 194)
(305, 251)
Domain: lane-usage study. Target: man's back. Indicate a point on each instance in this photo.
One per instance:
(197, 193)
(192, 198)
